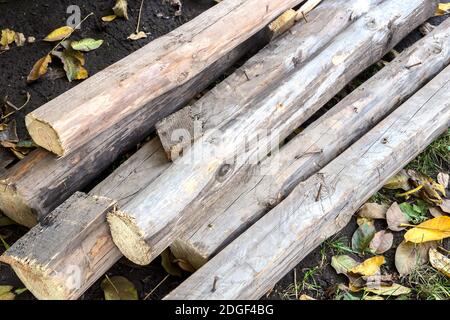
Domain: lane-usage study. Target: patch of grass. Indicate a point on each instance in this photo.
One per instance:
(435, 158)
(338, 246)
(429, 284)
(308, 283)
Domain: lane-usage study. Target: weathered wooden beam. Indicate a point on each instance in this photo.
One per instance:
(61, 257)
(271, 181)
(262, 72)
(322, 205)
(101, 102)
(39, 183)
(155, 217)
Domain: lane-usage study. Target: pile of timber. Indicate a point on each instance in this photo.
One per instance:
(232, 183)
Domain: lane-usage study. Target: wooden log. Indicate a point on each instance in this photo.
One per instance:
(155, 217)
(322, 205)
(61, 257)
(40, 182)
(270, 182)
(262, 72)
(101, 102)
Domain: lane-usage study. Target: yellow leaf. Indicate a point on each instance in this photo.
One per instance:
(443, 8)
(119, 288)
(305, 297)
(394, 290)
(39, 68)
(430, 230)
(81, 74)
(109, 18)
(369, 267)
(137, 36)
(120, 9)
(59, 34)
(440, 262)
(7, 37)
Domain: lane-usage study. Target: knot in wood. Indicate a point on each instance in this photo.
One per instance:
(223, 171)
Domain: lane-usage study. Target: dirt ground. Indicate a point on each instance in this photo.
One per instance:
(38, 18)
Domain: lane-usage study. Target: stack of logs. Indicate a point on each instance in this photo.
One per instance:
(234, 200)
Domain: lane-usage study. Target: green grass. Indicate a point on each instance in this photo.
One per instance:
(308, 282)
(435, 158)
(429, 284)
(338, 246)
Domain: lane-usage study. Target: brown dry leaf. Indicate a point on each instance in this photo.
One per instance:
(431, 230)
(445, 205)
(119, 288)
(369, 267)
(436, 212)
(305, 297)
(373, 211)
(443, 179)
(73, 62)
(373, 298)
(59, 34)
(19, 39)
(440, 262)
(395, 217)
(409, 256)
(39, 68)
(109, 18)
(168, 263)
(137, 36)
(121, 9)
(7, 38)
(381, 242)
(430, 190)
(185, 265)
(399, 181)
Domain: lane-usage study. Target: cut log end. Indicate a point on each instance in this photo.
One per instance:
(15, 207)
(44, 135)
(128, 238)
(37, 278)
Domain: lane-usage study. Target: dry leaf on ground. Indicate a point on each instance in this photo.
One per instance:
(369, 267)
(399, 181)
(443, 179)
(381, 242)
(87, 44)
(6, 293)
(119, 288)
(39, 68)
(394, 290)
(409, 256)
(137, 36)
(373, 211)
(445, 206)
(109, 18)
(121, 9)
(59, 34)
(395, 217)
(442, 9)
(430, 230)
(362, 236)
(440, 262)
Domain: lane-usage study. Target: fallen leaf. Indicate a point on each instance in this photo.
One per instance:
(109, 18)
(445, 206)
(373, 211)
(121, 9)
(39, 68)
(137, 36)
(361, 220)
(436, 212)
(440, 262)
(430, 230)
(362, 237)
(19, 39)
(369, 267)
(305, 297)
(86, 45)
(443, 179)
(381, 242)
(73, 62)
(6, 294)
(9, 132)
(430, 191)
(394, 290)
(184, 265)
(395, 217)
(59, 34)
(373, 298)
(31, 39)
(442, 9)
(410, 256)
(20, 291)
(119, 288)
(167, 262)
(7, 38)
(399, 181)
(415, 212)
(343, 263)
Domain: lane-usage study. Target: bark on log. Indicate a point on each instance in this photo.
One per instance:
(71, 248)
(322, 205)
(101, 102)
(41, 182)
(153, 219)
(262, 72)
(269, 183)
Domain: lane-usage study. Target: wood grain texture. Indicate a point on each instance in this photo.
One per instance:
(39, 183)
(322, 205)
(101, 102)
(61, 257)
(154, 218)
(261, 73)
(270, 182)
